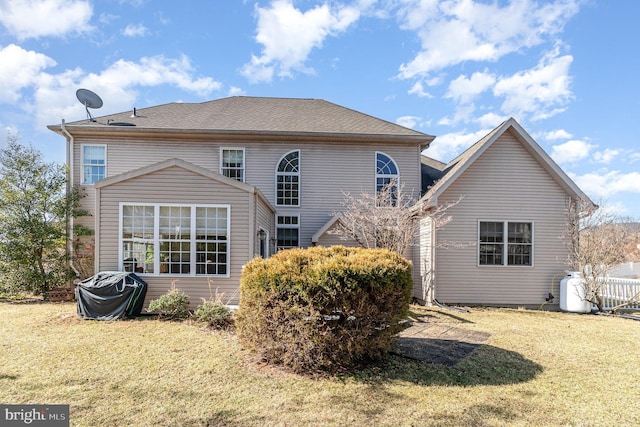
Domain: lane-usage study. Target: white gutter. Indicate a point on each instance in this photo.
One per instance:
(69, 224)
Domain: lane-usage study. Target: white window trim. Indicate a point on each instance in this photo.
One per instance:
(298, 174)
(505, 249)
(82, 164)
(244, 165)
(296, 226)
(377, 175)
(156, 238)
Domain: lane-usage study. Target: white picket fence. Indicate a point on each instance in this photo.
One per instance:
(618, 291)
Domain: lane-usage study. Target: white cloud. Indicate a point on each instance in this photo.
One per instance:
(135, 30)
(557, 134)
(633, 157)
(446, 147)
(571, 151)
(408, 121)
(417, 89)
(236, 91)
(540, 91)
(38, 18)
(463, 113)
(607, 155)
(465, 89)
(490, 120)
(54, 94)
(19, 69)
(452, 32)
(288, 36)
(606, 183)
(107, 18)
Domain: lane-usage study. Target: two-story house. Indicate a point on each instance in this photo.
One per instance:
(187, 193)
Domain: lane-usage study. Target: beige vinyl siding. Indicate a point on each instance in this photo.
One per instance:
(177, 185)
(504, 184)
(329, 238)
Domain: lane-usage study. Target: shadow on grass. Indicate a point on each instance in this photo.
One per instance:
(422, 316)
(472, 365)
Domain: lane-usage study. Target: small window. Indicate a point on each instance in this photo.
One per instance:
(515, 250)
(288, 180)
(94, 163)
(386, 178)
(288, 232)
(232, 163)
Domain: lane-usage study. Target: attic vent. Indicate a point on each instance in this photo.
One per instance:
(121, 124)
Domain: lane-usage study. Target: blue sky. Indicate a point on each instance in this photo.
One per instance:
(565, 69)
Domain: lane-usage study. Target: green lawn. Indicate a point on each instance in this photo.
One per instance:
(537, 368)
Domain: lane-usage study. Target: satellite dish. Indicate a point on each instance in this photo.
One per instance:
(89, 100)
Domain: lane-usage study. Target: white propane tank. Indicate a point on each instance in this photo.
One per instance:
(572, 294)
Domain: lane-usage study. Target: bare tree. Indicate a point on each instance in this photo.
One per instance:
(596, 241)
(388, 219)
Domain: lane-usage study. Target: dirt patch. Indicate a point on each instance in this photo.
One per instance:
(438, 343)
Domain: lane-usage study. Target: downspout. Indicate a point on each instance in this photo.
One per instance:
(432, 264)
(69, 220)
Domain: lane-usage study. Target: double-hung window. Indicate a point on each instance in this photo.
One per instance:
(505, 243)
(288, 231)
(175, 239)
(94, 163)
(232, 163)
(288, 180)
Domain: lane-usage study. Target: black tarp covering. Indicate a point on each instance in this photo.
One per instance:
(111, 295)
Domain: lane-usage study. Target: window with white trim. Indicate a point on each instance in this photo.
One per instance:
(505, 243)
(94, 163)
(232, 163)
(386, 175)
(175, 239)
(288, 180)
(287, 231)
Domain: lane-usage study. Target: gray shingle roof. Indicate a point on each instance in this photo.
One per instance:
(256, 115)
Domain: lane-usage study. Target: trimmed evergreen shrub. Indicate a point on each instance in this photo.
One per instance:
(174, 305)
(323, 309)
(214, 313)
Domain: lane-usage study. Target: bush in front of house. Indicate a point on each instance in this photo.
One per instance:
(323, 309)
(214, 314)
(174, 305)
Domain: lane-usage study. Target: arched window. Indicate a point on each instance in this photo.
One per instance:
(288, 180)
(387, 176)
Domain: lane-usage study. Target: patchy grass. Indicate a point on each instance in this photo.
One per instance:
(537, 368)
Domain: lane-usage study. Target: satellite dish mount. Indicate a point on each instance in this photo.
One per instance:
(90, 100)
